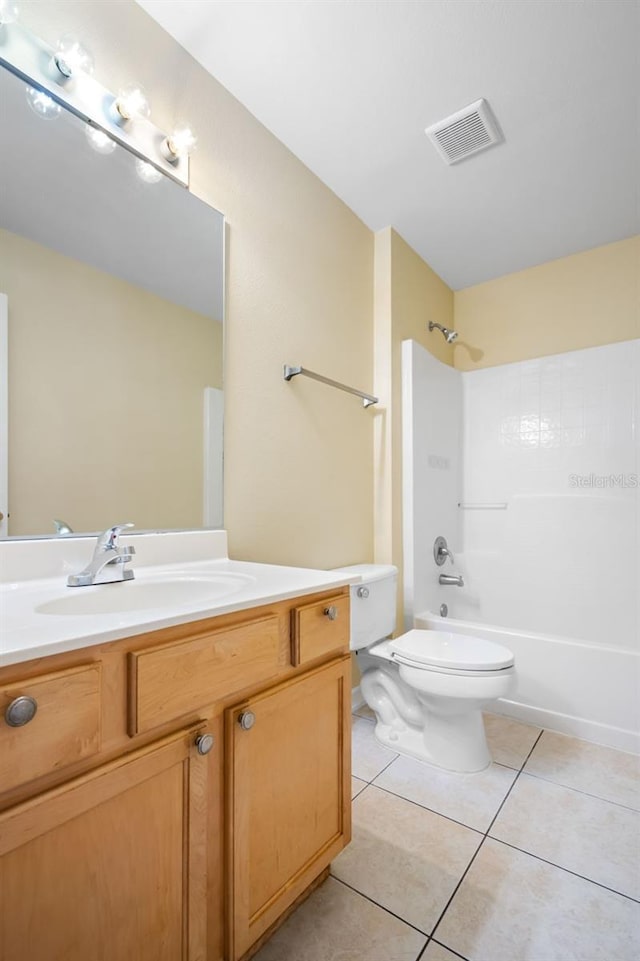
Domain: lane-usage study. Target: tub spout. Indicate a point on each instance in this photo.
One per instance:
(453, 580)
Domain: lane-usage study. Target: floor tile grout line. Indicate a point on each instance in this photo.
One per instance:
(379, 772)
(456, 889)
(423, 949)
(363, 717)
(480, 846)
(569, 787)
(509, 767)
(560, 867)
(371, 900)
(423, 807)
(450, 950)
(513, 784)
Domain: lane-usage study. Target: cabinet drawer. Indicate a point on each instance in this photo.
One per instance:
(170, 681)
(319, 629)
(64, 729)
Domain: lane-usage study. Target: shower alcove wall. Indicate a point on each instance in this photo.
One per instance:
(543, 456)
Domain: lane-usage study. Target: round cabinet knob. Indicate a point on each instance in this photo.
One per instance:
(363, 592)
(246, 720)
(204, 743)
(21, 711)
(331, 612)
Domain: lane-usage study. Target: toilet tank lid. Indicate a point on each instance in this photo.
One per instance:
(370, 572)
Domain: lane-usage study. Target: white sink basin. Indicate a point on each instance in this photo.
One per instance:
(169, 590)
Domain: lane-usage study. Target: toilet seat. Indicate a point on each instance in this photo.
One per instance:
(450, 653)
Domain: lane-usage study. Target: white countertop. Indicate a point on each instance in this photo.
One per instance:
(26, 633)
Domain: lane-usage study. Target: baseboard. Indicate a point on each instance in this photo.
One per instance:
(357, 699)
(597, 733)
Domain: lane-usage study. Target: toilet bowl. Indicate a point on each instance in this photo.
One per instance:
(425, 687)
(452, 677)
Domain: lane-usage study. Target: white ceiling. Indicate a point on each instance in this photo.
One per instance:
(350, 85)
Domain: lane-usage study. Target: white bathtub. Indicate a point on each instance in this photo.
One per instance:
(574, 687)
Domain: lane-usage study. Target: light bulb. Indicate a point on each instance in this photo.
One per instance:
(131, 102)
(42, 104)
(71, 57)
(180, 143)
(9, 12)
(98, 140)
(147, 172)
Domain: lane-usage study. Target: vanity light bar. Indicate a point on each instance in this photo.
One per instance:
(31, 59)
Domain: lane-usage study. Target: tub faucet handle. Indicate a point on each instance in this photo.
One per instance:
(441, 551)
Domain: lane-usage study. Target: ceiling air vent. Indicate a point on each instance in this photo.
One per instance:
(470, 130)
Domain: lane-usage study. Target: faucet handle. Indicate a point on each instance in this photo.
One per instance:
(108, 540)
(441, 551)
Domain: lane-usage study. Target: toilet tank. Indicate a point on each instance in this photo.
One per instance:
(373, 603)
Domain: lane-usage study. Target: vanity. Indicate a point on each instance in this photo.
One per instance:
(176, 780)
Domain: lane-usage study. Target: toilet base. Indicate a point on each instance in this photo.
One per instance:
(452, 744)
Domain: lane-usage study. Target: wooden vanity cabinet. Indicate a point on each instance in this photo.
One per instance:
(111, 865)
(120, 840)
(288, 786)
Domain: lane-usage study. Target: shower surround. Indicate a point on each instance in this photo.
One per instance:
(543, 457)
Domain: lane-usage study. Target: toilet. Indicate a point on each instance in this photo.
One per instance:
(425, 687)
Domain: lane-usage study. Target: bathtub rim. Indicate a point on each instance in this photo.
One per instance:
(427, 616)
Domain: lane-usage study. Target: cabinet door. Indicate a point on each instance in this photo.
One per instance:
(112, 865)
(288, 782)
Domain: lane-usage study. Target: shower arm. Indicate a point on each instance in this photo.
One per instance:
(448, 334)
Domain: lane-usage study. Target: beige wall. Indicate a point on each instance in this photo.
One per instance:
(298, 456)
(408, 294)
(106, 386)
(585, 300)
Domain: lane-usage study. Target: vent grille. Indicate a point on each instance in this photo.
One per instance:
(465, 133)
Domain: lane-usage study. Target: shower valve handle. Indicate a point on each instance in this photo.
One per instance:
(441, 551)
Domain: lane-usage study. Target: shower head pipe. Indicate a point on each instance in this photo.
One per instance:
(449, 335)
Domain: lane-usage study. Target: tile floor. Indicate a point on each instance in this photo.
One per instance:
(535, 859)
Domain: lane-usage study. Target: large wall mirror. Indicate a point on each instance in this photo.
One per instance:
(114, 294)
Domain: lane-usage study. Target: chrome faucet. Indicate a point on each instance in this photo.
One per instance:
(453, 580)
(107, 564)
